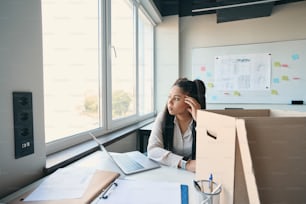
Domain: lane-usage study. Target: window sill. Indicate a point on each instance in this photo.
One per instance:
(72, 154)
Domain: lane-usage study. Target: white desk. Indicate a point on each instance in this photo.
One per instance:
(100, 160)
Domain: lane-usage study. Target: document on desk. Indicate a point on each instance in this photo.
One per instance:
(66, 183)
(138, 192)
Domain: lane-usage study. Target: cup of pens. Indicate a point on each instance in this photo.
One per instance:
(208, 191)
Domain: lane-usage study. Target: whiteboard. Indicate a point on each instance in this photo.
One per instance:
(286, 70)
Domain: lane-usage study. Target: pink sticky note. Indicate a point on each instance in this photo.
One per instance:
(203, 68)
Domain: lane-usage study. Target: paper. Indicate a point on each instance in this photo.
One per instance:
(65, 183)
(243, 72)
(139, 192)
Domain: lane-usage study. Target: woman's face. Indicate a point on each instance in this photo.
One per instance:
(176, 101)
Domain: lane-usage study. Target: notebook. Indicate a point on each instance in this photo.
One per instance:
(129, 162)
(99, 181)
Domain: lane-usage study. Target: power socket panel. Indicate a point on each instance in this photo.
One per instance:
(23, 124)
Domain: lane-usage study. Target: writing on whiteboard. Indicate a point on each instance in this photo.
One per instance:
(243, 72)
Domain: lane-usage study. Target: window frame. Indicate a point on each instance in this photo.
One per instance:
(107, 124)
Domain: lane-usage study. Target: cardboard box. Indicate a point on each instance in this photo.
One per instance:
(259, 156)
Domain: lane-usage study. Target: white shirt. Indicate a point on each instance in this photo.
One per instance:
(182, 143)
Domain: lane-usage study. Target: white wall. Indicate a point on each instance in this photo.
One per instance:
(20, 70)
(287, 22)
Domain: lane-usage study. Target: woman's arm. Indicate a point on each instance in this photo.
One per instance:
(156, 149)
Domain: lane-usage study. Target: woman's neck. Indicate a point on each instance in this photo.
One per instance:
(183, 122)
(184, 118)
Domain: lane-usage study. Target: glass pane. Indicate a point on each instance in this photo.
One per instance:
(71, 67)
(145, 65)
(123, 62)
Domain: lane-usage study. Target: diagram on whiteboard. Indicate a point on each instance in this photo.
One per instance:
(243, 72)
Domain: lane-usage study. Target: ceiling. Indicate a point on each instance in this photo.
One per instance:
(226, 10)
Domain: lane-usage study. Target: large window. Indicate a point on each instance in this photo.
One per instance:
(98, 67)
(71, 67)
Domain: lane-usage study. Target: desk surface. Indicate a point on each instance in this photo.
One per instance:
(99, 160)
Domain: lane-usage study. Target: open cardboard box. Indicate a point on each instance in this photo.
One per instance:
(259, 156)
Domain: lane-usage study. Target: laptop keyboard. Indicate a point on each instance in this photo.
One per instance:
(127, 163)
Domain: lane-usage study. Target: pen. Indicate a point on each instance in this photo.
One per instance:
(197, 185)
(211, 183)
(210, 196)
(108, 191)
(216, 189)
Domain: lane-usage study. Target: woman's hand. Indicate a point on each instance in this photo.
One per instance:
(191, 165)
(193, 106)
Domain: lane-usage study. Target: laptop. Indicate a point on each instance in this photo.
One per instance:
(129, 162)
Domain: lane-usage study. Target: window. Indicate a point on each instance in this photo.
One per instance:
(145, 64)
(98, 67)
(123, 59)
(71, 67)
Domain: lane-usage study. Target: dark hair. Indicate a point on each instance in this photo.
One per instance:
(195, 89)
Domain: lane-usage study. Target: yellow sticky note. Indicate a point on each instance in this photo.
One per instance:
(210, 85)
(274, 92)
(277, 64)
(285, 78)
(236, 93)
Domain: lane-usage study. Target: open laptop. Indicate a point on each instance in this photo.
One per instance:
(129, 162)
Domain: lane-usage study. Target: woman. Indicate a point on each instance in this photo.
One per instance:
(173, 137)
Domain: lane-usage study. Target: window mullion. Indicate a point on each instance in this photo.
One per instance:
(108, 67)
(136, 43)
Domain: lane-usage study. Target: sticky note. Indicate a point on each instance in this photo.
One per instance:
(295, 56)
(276, 80)
(296, 78)
(203, 68)
(285, 65)
(274, 92)
(285, 78)
(214, 98)
(277, 64)
(208, 74)
(236, 93)
(210, 85)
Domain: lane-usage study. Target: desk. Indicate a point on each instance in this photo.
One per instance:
(143, 137)
(99, 160)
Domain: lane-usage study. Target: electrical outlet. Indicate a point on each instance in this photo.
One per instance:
(23, 124)
(23, 147)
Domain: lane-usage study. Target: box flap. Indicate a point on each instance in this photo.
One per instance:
(247, 162)
(216, 151)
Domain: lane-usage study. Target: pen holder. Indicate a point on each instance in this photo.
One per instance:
(208, 192)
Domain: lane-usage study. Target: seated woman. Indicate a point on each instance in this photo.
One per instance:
(173, 137)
